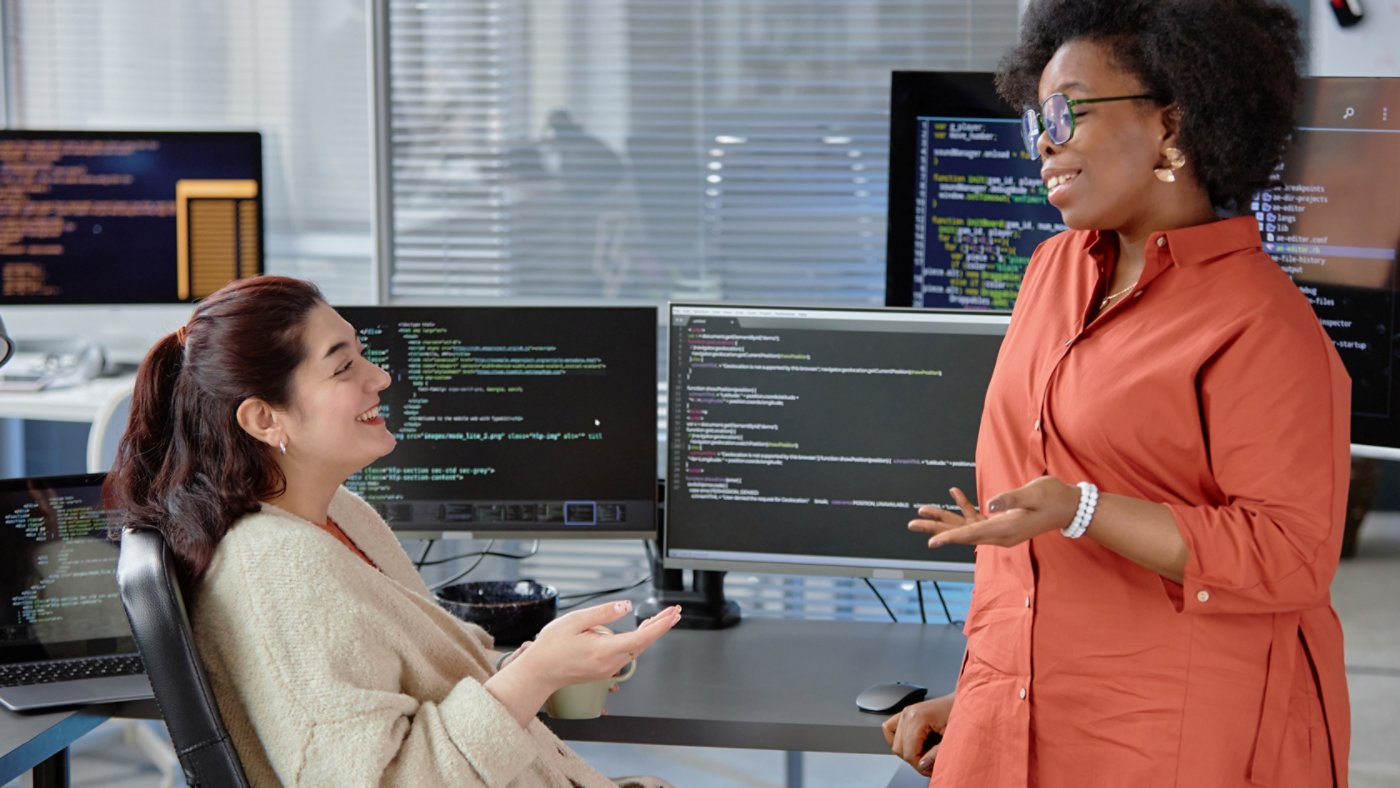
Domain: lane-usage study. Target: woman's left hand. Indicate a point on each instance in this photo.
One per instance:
(1012, 517)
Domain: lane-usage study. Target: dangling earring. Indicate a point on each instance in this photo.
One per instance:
(282, 446)
(1175, 161)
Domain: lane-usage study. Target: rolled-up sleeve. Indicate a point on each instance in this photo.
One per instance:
(1275, 410)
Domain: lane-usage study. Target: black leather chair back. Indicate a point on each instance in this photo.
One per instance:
(156, 608)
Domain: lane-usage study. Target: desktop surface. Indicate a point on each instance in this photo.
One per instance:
(775, 684)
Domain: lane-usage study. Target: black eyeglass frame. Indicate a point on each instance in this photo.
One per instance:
(1033, 122)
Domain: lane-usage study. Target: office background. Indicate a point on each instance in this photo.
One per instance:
(619, 151)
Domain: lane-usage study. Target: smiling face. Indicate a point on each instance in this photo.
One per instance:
(333, 427)
(1101, 178)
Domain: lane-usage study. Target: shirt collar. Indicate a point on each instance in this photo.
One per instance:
(1196, 245)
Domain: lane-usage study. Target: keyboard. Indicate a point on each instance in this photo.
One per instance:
(70, 669)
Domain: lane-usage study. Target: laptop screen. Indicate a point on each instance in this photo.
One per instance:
(58, 584)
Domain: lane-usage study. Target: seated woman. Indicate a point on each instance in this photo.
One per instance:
(330, 661)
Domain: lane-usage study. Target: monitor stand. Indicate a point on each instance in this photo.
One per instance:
(703, 606)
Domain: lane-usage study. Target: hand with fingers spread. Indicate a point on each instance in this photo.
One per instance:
(909, 730)
(1012, 517)
(573, 649)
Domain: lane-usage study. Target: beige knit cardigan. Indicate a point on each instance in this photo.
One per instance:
(330, 672)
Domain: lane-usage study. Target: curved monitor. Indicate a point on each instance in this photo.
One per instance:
(517, 422)
(802, 440)
(967, 208)
(127, 217)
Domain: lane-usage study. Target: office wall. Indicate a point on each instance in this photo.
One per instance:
(1369, 49)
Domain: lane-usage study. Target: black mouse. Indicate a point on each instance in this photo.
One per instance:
(889, 697)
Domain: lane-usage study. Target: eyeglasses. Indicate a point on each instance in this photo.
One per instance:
(1057, 119)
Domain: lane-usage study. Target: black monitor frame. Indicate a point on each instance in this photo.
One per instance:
(145, 248)
(598, 485)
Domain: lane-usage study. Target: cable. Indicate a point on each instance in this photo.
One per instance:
(923, 616)
(944, 602)
(590, 595)
(427, 548)
(534, 549)
(480, 557)
(878, 596)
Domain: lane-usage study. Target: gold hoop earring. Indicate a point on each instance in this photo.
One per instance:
(1175, 161)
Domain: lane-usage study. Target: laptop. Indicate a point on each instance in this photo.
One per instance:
(64, 637)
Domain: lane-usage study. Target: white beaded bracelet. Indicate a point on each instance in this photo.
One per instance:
(1088, 501)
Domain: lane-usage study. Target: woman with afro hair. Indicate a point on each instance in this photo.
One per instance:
(1163, 456)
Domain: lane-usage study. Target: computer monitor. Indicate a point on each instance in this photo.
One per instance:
(801, 440)
(1333, 223)
(515, 421)
(966, 203)
(58, 590)
(129, 217)
(967, 207)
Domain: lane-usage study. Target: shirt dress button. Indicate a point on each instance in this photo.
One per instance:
(1202, 596)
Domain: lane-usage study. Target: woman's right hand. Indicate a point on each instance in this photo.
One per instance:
(572, 649)
(578, 646)
(906, 731)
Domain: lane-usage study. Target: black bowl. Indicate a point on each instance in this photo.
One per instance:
(513, 611)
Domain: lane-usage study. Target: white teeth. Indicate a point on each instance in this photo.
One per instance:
(369, 414)
(1057, 181)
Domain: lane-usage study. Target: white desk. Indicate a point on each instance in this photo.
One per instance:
(76, 403)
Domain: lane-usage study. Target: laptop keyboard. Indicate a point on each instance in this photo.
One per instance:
(70, 669)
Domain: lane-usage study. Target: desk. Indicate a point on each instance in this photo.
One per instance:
(772, 684)
(40, 741)
(76, 403)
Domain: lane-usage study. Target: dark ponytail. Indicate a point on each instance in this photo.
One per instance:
(184, 466)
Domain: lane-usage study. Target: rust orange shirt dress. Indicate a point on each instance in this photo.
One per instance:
(1210, 388)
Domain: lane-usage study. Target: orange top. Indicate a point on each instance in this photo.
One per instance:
(1212, 389)
(333, 528)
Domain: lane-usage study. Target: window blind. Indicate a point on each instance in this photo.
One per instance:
(654, 149)
(297, 72)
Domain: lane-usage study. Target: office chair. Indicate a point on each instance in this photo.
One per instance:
(108, 424)
(151, 596)
(150, 736)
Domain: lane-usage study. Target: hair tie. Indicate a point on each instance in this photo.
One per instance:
(180, 335)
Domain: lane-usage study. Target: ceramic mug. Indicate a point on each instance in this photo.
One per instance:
(585, 701)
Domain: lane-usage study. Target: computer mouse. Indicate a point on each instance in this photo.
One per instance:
(889, 697)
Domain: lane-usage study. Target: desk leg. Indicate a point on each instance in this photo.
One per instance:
(792, 761)
(53, 772)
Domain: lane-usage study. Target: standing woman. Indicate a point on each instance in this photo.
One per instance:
(329, 659)
(1164, 447)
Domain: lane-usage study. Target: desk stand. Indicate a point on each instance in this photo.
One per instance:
(703, 606)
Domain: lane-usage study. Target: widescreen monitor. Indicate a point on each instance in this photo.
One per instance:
(127, 217)
(802, 440)
(515, 421)
(967, 208)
